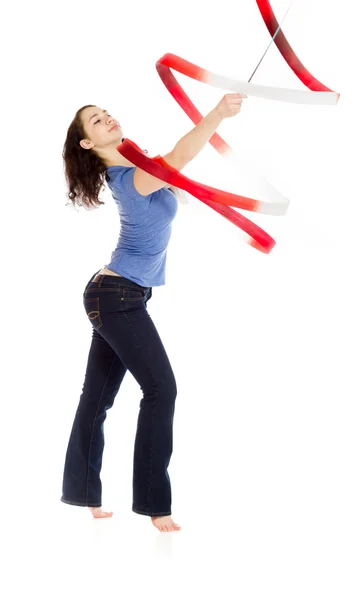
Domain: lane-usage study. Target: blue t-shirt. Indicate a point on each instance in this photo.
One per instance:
(146, 224)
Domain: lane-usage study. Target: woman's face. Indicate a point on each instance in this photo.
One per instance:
(101, 129)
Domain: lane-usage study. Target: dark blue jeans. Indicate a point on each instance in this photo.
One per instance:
(124, 337)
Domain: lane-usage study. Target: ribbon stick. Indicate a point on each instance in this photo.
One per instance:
(271, 41)
(219, 200)
(292, 60)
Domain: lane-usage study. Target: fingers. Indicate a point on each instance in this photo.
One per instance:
(230, 104)
(237, 96)
(234, 101)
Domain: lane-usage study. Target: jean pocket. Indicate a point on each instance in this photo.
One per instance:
(92, 308)
(131, 294)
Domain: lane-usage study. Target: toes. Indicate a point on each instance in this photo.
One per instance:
(164, 527)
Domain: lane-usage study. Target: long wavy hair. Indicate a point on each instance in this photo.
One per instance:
(85, 171)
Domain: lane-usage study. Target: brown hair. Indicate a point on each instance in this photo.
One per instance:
(84, 170)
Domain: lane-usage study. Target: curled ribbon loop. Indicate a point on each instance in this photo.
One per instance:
(219, 200)
(214, 198)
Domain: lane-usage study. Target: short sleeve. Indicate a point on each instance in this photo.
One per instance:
(125, 183)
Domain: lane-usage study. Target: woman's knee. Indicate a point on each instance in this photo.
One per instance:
(167, 387)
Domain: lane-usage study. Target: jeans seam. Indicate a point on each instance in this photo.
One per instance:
(153, 421)
(80, 504)
(141, 512)
(93, 427)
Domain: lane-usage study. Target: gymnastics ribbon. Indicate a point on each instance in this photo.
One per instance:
(318, 95)
(158, 167)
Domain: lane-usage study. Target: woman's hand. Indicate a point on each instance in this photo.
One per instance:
(230, 105)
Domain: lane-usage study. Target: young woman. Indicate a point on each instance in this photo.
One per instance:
(124, 336)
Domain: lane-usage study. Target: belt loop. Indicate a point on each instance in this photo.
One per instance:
(92, 279)
(99, 279)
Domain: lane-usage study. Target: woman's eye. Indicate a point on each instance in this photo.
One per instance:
(99, 120)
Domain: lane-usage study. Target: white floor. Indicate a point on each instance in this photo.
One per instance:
(251, 546)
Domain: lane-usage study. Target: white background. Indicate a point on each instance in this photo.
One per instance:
(267, 465)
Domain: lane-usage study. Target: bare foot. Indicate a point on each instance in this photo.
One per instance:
(98, 513)
(164, 523)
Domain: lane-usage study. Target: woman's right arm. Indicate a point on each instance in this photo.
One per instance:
(191, 144)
